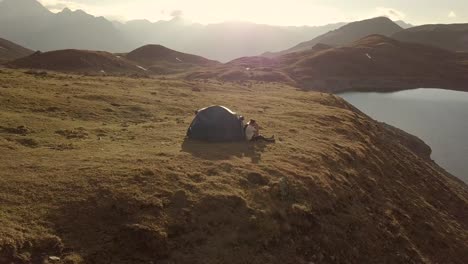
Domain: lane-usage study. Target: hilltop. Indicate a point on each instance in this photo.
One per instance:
(11, 51)
(96, 170)
(160, 59)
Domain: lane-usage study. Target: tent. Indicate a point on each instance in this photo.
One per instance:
(216, 124)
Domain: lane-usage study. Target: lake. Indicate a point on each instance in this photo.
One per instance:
(439, 117)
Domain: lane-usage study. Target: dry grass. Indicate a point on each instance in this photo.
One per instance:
(96, 170)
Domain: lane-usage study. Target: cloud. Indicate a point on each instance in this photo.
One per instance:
(95, 9)
(59, 5)
(177, 13)
(391, 13)
(452, 14)
(56, 6)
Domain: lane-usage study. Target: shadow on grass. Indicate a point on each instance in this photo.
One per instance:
(222, 151)
(104, 228)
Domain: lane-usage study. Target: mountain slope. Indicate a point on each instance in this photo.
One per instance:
(96, 170)
(77, 61)
(11, 51)
(451, 37)
(378, 63)
(348, 34)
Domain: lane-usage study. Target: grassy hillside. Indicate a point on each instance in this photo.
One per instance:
(153, 54)
(96, 170)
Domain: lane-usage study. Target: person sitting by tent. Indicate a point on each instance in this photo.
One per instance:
(252, 132)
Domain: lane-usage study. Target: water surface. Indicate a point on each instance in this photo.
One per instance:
(439, 117)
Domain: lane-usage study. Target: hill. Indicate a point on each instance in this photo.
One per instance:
(77, 61)
(160, 59)
(11, 51)
(451, 37)
(94, 173)
(347, 34)
(244, 69)
(378, 63)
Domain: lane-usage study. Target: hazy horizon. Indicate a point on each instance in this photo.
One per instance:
(281, 13)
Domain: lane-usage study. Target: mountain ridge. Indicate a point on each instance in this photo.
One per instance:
(347, 34)
(447, 36)
(46, 31)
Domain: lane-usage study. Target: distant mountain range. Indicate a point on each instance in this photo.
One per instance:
(223, 41)
(30, 24)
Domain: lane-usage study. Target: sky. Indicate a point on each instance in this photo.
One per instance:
(274, 12)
